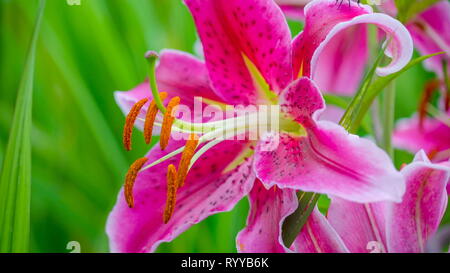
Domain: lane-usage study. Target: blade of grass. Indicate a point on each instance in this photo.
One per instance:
(15, 179)
(85, 103)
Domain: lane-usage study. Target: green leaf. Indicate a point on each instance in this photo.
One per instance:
(295, 222)
(408, 9)
(381, 83)
(352, 117)
(15, 178)
(369, 91)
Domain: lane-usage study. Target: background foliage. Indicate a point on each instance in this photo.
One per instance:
(84, 54)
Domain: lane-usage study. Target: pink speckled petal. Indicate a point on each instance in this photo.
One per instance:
(318, 236)
(206, 191)
(322, 27)
(418, 216)
(432, 137)
(361, 226)
(327, 159)
(230, 29)
(178, 74)
(431, 34)
(268, 209)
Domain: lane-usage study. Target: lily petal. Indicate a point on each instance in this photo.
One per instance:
(179, 74)
(431, 33)
(321, 27)
(318, 236)
(232, 31)
(293, 8)
(418, 216)
(432, 137)
(268, 209)
(327, 159)
(207, 191)
(361, 226)
(342, 62)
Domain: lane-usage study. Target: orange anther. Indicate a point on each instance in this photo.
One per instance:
(130, 178)
(150, 118)
(171, 193)
(167, 122)
(129, 122)
(188, 153)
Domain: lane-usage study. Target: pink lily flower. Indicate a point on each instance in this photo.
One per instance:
(431, 33)
(244, 43)
(432, 135)
(355, 227)
(270, 206)
(396, 227)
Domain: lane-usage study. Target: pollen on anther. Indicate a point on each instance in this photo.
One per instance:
(168, 120)
(188, 153)
(171, 193)
(129, 122)
(151, 117)
(130, 178)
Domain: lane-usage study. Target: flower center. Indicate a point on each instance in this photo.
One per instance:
(237, 123)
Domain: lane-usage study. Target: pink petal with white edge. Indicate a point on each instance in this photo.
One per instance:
(318, 236)
(431, 33)
(178, 74)
(230, 29)
(342, 62)
(361, 226)
(432, 137)
(206, 191)
(321, 27)
(268, 209)
(328, 159)
(418, 216)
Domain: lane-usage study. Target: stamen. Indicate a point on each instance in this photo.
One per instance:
(171, 193)
(150, 118)
(130, 178)
(129, 122)
(188, 153)
(167, 122)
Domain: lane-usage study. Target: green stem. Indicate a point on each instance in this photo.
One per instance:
(446, 85)
(388, 118)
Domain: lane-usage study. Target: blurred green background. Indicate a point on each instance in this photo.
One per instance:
(85, 53)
